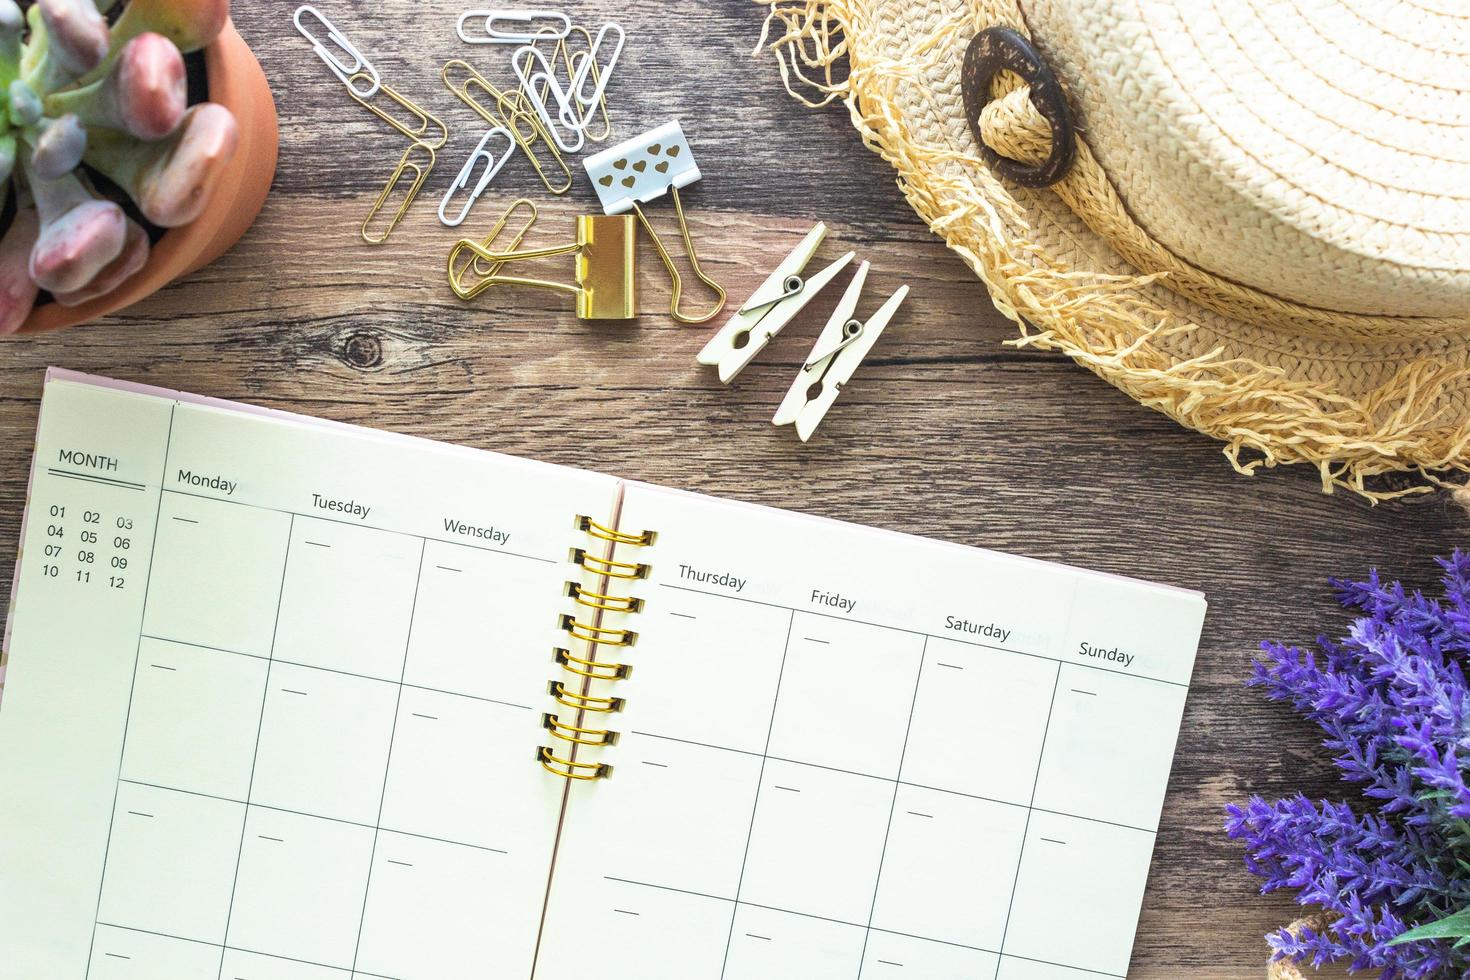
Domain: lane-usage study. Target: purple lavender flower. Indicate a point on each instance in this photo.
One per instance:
(1392, 698)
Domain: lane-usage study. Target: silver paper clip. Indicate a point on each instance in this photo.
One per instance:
(589, 69)
(770, 307)
(348, 74)
(494, 35)
(570, 119)
(492, 163)
(840, 348)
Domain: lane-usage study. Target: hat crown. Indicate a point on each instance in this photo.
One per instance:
(1309, 149)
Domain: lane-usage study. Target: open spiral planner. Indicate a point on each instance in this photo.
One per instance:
(293, 700)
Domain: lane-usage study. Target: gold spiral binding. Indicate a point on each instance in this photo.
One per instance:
(595, 669)
(612, 569)
(596, 736)
(584, 702)
(570, 769)
(609, 534)
(601, 600)
(601, 635)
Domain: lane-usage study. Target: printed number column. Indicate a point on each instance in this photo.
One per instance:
(211, 611)
(325, 733)
(821, 817)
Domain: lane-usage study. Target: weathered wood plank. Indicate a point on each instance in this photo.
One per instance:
(944, 432)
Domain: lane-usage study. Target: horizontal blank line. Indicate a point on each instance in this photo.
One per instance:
(754, 936)
(446, 568)
(682, 615)
(916, 813)
(1080, 691)
(429, 717)
(287, 690)
(626, 912)
(162, 667)
(181, 520)
(278, 840)
(1053, 840)
(135, 813)
(401, 864)
(789, 789)
(317, 544)
(119, 956)
(813, 639)
(661, 765)
(889, 963)
(950, 666)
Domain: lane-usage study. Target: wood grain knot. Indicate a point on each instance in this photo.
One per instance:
(363, 351)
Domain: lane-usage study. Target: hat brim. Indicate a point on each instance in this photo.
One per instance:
(1356, 410)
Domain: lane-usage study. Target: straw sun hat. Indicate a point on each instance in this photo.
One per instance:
(1251, 215)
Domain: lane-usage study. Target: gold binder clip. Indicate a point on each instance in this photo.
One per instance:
(606, 269)
(569, 769)
(512, 112)
(420, 120)
(420, 174)
(636, 171)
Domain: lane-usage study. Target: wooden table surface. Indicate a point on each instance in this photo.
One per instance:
(943, 432)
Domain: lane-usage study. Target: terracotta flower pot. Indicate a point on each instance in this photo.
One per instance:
(236, 82)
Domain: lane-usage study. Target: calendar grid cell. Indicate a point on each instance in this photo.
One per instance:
(755, 803)
(388, 761)
(245, 814)
(897, 784)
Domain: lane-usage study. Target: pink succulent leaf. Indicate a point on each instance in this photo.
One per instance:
(17, 288)
(78, 36)
(25, 104)
(74, 249)
(171, 181)
(134, 256)
(145, 93)
(59, 148)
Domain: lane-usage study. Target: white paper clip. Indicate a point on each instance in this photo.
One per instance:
(770, 307)
(360, 65)
(840, 348)
(533, 82)
(494, 35)
(587, 59)
(492, 163)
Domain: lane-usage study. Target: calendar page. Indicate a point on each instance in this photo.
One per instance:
(273, 696)
(847, 753)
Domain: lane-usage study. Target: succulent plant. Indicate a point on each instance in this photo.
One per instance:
(84, 94)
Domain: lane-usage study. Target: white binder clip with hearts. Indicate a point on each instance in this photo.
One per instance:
(648, 166)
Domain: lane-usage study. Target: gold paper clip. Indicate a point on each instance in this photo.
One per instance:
(645, 167)
(420, 174)
(421, 120)
(513, 112)
(599, 87)
(481, 268)
(606, 284)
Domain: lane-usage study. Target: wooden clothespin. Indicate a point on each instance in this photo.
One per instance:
(770, 308)
(840, 348)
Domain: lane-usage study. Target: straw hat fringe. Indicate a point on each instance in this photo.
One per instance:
(1263, 415)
